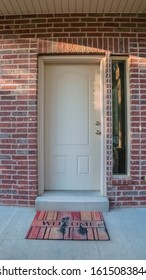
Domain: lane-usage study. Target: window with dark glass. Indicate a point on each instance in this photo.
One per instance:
(119, 117)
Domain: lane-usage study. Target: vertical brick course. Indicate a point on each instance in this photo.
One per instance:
(22, 39)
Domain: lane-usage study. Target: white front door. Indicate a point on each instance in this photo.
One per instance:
(71, 110)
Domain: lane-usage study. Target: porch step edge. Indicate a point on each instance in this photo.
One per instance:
(72, 202)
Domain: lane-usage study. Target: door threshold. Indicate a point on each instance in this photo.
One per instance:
(72, 201)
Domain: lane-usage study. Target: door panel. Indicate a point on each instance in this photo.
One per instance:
(72, 106)
(72, 123)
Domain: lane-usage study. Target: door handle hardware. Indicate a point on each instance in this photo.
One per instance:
(97, 123)
(97, 132)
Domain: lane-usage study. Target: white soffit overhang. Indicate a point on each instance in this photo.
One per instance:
(24, 7)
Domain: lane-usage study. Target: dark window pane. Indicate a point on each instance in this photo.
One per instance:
(119, 117)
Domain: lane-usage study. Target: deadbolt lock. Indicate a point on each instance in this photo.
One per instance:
(97, 123)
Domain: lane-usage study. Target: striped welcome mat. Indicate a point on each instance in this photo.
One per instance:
(68, 226)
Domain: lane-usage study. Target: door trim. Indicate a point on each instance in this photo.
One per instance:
(43, 60)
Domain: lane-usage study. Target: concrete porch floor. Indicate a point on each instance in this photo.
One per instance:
(126, 227)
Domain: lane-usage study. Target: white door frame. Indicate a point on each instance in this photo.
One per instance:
(43, 60)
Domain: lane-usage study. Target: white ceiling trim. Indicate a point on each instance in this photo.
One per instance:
(23, 7)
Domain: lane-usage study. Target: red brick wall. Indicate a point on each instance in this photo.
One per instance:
(22, 38)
